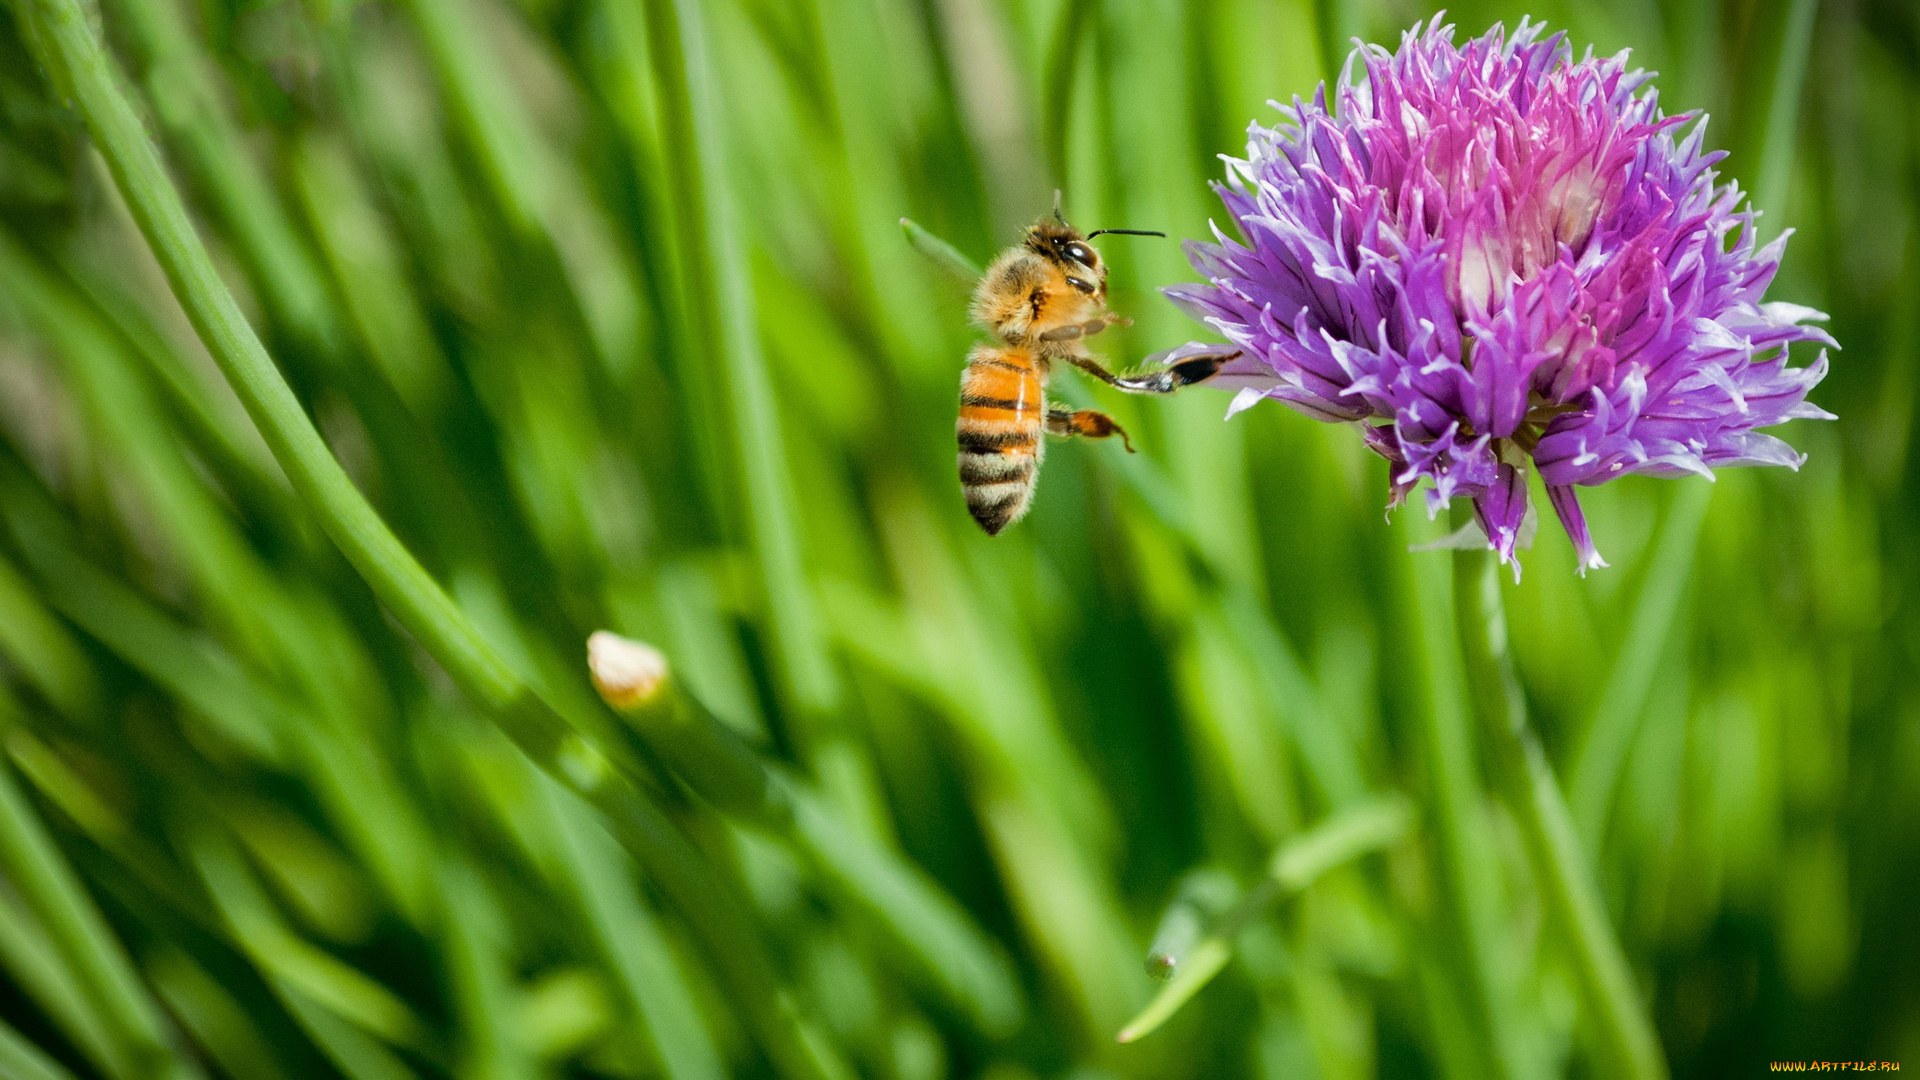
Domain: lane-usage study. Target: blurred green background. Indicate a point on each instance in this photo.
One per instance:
(605, 306)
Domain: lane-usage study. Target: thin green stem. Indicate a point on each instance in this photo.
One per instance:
(1623, 1035)
(1337, 25)
(1063, 56)
(192, 106)
(1467, 870)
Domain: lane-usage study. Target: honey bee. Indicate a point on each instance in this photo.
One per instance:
(1042, 298)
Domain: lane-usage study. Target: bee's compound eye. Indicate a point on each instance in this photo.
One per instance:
(1080, 253)
(1081, 284)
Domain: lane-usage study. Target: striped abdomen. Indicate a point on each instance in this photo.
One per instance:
(1002, 409)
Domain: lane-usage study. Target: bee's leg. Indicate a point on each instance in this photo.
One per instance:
(1085, 329)
(1164, 380)
(1096, 369)
(1086, 423)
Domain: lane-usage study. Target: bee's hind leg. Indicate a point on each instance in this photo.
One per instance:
(1085, 423)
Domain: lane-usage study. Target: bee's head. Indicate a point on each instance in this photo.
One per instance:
(1061, 244)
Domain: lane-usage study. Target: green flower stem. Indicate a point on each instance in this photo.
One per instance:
(710, 758)
(1468, 870)
(79, 65)
(1343, 837)
(136, 1033)
(1623, 1036)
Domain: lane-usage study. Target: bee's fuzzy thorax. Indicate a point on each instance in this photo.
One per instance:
(1003, 301)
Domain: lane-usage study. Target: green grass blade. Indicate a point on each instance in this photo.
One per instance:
(1330, 757)
(370, 276)
(136, 1031)
(635, 947)
(193, 109)
(1206, 960)
(1777, 151)
(915, 914)
(357, 1055)
(691, 82)
(284, 957)
(74, 51)
(44, 650)
(940, 253)
(21, 1060)
(61, 786)
(946, 947)
(26, 952)
(479, 962)
(1609, 736)
(396, 577)
(199, 673)
(218, 1023)
(1346, 835)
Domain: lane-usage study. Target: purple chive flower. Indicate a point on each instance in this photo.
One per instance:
(1498, 257)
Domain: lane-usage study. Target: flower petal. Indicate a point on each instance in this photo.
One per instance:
(1567, 505)
(1501, 509)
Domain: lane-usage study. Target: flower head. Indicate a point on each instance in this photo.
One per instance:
(1494, 257)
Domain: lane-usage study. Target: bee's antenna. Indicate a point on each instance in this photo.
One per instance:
(1056, 208)
(1126, 232)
